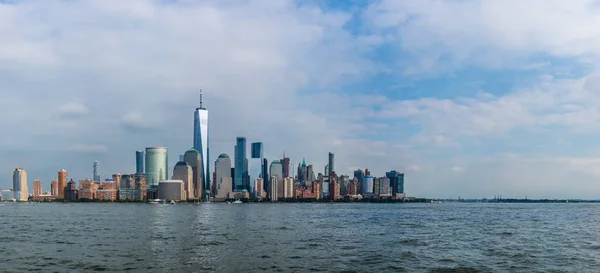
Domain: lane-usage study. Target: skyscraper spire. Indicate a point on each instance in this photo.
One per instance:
(200, 98)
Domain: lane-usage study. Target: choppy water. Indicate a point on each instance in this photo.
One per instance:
(300, 237)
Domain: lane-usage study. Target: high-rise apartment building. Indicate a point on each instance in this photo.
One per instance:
(285, 163)
(140, 186)
(344, 181)
(183, 171)
(257, 169)
(62, 183)
(376, 186)
(37, 188)
(367, 185)
(117, 178)
(331, 163)
(289, 187)
(156, 166)
(54, 187)
(259, 188)
(256, 150)
(241, 164)
(305, 173)
(265, 174)
(385, 190)
(201, 144)
(396, 181)
(20, 192)
(193, 158)
(276, 169)
(139, 161)
(222, 169)
(359, 174)
(71, 192)
(96, 174)
(274, 188)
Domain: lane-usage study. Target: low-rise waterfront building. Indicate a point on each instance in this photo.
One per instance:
(129, 194)
(171, 190)
(87, 189)
(6, 195)
(107, 191)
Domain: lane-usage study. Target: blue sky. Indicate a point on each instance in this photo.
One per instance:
(472, 98)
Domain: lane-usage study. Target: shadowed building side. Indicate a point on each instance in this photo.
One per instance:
(193, 158)
(182, 171)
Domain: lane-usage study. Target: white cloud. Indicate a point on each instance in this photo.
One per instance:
(448, 34)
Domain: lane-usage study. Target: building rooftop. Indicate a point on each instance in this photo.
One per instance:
(170, 181)
(191, 150)
(156, 148)
(223, 156)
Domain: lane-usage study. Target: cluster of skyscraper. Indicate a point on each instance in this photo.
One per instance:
(192, 179)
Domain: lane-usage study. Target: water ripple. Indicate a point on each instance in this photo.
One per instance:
(300, 238)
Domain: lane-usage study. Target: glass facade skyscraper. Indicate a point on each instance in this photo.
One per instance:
(396, 181)
(331, 165)
(257, 150)
(241, 164)
(265, 174)
(256, 167)
(201, 144)
(20, 192)
(156, 165)
(139, 161)
(96, 175)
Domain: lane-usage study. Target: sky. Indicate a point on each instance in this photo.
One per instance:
(469, 98)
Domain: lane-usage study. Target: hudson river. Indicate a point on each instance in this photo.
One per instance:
(300, 237)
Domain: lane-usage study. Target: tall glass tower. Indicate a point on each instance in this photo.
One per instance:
(331, 164)
(241, 166)
(139, 161)
(96, 176)
(201, 143)
(256, 168)
(156, 165)
(20, 192)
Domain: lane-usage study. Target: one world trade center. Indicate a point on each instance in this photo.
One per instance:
(201, 145)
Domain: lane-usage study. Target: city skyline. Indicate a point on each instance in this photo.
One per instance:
(377, 83)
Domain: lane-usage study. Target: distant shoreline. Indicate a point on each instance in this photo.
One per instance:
(377, 201)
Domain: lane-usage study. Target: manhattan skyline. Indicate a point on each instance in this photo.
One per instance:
(514, 113)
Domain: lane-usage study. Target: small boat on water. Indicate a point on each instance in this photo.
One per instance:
(238, 202)
(172, 202)
(227, 202)
(156, 201)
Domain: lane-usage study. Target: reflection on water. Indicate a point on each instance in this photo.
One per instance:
(300, 237)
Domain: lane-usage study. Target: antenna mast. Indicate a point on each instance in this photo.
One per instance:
(200, 98)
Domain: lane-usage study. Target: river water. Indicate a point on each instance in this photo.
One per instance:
(300, 237)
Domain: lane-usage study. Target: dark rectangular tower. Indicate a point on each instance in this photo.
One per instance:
(240, 164)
